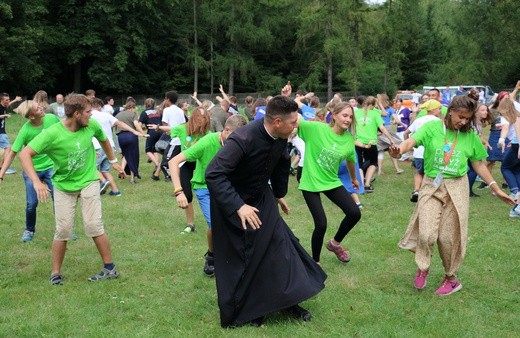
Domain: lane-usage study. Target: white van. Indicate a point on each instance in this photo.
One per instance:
(489, 94)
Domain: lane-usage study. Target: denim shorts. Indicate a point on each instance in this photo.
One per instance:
(4, 141)
(102, 161)
(203, 198)
(419, 165)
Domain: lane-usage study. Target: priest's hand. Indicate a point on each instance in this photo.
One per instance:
(284, 205)
(248, 214)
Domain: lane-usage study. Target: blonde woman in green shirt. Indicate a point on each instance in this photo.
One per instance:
(326, 146)
(37, 122)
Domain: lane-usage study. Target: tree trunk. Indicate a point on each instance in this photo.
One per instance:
(356, 50)
(329, 79)
(77, 77)
(195, 50)
(212, 70)
(231, 80)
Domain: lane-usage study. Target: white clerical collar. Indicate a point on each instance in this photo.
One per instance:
(274, 138)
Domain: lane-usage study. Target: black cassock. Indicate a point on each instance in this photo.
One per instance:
(262, 271)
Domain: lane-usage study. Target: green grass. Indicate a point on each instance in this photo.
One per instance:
(162, 291)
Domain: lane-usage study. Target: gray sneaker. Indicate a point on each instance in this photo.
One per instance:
(105, 274)
(27, 236)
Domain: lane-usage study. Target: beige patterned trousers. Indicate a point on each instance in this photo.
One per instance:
(440, 216)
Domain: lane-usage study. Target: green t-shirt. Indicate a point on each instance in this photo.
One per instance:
(444, 111)
(72, 153)
(27, 133)
(324, 151)
(366, 126)
(186, 140)
(202, 153)
(468, 147)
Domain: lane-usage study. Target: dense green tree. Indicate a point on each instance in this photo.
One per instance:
(26, 65)
(149, 46)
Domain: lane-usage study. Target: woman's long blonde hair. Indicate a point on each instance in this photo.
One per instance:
(507, 109)
(338, 108)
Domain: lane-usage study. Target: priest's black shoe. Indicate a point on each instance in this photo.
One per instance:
(300, 313)
(257, 322)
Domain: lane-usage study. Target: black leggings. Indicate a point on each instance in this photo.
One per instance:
(186, 174)
(342, 199)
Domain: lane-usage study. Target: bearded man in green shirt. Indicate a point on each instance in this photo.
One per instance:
(69, 145)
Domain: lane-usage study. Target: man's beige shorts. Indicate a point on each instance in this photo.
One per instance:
(65, 211)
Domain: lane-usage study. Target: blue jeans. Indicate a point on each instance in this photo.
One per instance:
(203, 198)
(511, 167)
(32, 198)
(472, 176)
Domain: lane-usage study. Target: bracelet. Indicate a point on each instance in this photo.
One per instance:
(179, 193)
(491, 183)
(177, 190)
(112, 161)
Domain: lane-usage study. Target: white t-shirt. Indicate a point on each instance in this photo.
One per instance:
(511, 133)
(517, 106)
(108, 109)
(173, 116)
(418, 123)
(106, 121)
(299, 144)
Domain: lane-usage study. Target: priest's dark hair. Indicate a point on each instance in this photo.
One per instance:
(280, 106)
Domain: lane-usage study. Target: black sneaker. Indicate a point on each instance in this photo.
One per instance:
(300, 313)
(370, 188)
(209, 265)
(56, 279)
(155, 178)
(415, 197)
(472, 194)
(482, 186)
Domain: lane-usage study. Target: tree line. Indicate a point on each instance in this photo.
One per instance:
(150, 46)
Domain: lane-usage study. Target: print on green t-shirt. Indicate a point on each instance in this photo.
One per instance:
(324, 151)
(72, 153)
(468, 146)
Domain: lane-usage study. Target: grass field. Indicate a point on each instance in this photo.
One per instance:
(162, 290)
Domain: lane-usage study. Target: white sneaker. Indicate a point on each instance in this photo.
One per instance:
(514, 213)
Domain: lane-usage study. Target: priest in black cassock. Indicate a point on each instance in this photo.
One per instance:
(260, 266)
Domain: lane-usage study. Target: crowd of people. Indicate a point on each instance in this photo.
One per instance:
(67, 149)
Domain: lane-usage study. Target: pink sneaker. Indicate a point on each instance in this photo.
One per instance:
(339, 251)
(420, 279)
(448, 287)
